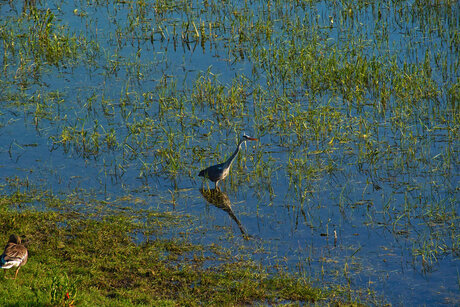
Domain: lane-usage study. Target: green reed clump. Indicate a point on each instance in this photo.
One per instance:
(85, 141)
(36, 37)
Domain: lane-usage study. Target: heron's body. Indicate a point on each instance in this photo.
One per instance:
(220, 171)
(14, 255)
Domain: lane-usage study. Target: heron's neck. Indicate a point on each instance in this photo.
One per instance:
(229, 162)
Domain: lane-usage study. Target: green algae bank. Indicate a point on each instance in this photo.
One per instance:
(110, 109)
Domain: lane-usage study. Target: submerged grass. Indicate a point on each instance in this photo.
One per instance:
(80, 258)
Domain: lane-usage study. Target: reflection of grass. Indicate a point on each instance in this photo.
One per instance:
(92, 259)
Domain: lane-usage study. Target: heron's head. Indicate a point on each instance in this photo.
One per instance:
(201, 174)
(247, 137)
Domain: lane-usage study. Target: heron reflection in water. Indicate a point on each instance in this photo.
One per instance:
(219, 199)
(220, 171)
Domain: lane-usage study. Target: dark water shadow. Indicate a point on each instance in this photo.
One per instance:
(220, 200)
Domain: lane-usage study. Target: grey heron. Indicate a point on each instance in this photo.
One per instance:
(220, 171)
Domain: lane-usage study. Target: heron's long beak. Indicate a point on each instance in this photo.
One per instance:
(247, 137)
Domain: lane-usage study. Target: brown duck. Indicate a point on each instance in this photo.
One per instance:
(14, 255)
